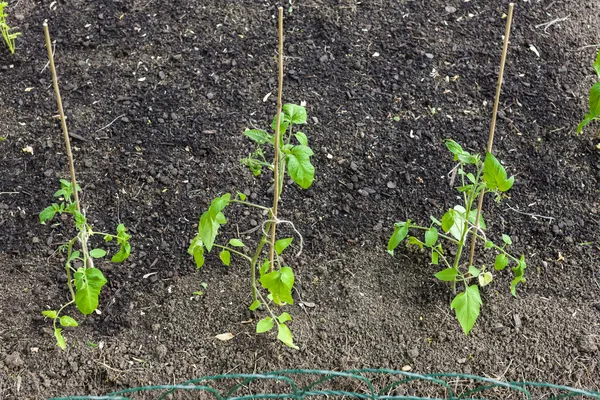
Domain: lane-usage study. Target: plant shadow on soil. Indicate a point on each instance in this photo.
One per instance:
(187, 79)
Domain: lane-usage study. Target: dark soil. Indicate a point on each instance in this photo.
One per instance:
(184, 78)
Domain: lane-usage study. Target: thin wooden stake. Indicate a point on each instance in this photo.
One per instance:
(83, 238)
(277, 140)
(511, 7)
(63, 119)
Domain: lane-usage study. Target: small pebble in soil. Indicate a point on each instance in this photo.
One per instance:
(391, 185)
(161, 351)
(413, 353)
(378, 227)
(498, 327)
(517, 319)
(450, 9)
(14, 360)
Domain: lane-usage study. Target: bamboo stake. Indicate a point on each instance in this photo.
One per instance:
(83, 238)
(511, 7)
(276, 178)
(63, 119)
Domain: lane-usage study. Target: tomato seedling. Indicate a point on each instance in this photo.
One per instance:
(456, 224)
(295, 159)
(84, 280)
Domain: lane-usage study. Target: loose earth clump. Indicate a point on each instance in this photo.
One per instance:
(157, 98)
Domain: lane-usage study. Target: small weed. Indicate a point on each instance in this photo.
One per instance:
(9, 38)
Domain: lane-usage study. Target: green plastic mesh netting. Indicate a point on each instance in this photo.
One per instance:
(356, 384)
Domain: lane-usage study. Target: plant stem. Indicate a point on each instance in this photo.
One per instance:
(276, 171)
(511, 7)
(254, 260)
(245, 203)
(68, 268)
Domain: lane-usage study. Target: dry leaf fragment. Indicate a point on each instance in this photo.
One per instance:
(224, 336)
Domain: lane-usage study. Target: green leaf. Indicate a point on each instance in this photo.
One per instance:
(489, 244)
(501, 262)
(597, 64)
(414, 241)
(122, 254)
(284, 317)
(60, 340)
(400, 232)
(279, 284)
(447, 275)
(259, 136)
(485, 278)
(211, 221)
(50, 314)
(97, 253)
(594, 106)
(264, 267)
(236, 243)
(435, 220)
(294, 113)
(299, 166)
(80, 220)
(431, 237)
(283, 124)
(301, 138)
(225, 256)
(282, 244)
(494, 174)
(242, 196)
(123, 240)
(435, 256)
(454, 147)
(519, 272)
(88, 282)
(217, 205)
(65, 320)
(265, 325)
(255, 304)
(467, 306)
(459, 153)
(454, 221)
(506, 239)
(474, 271)
(47, 214)
(285, 336)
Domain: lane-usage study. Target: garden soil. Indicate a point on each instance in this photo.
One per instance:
(157, 95)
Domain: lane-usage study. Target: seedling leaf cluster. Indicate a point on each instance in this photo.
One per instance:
(456, 225)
